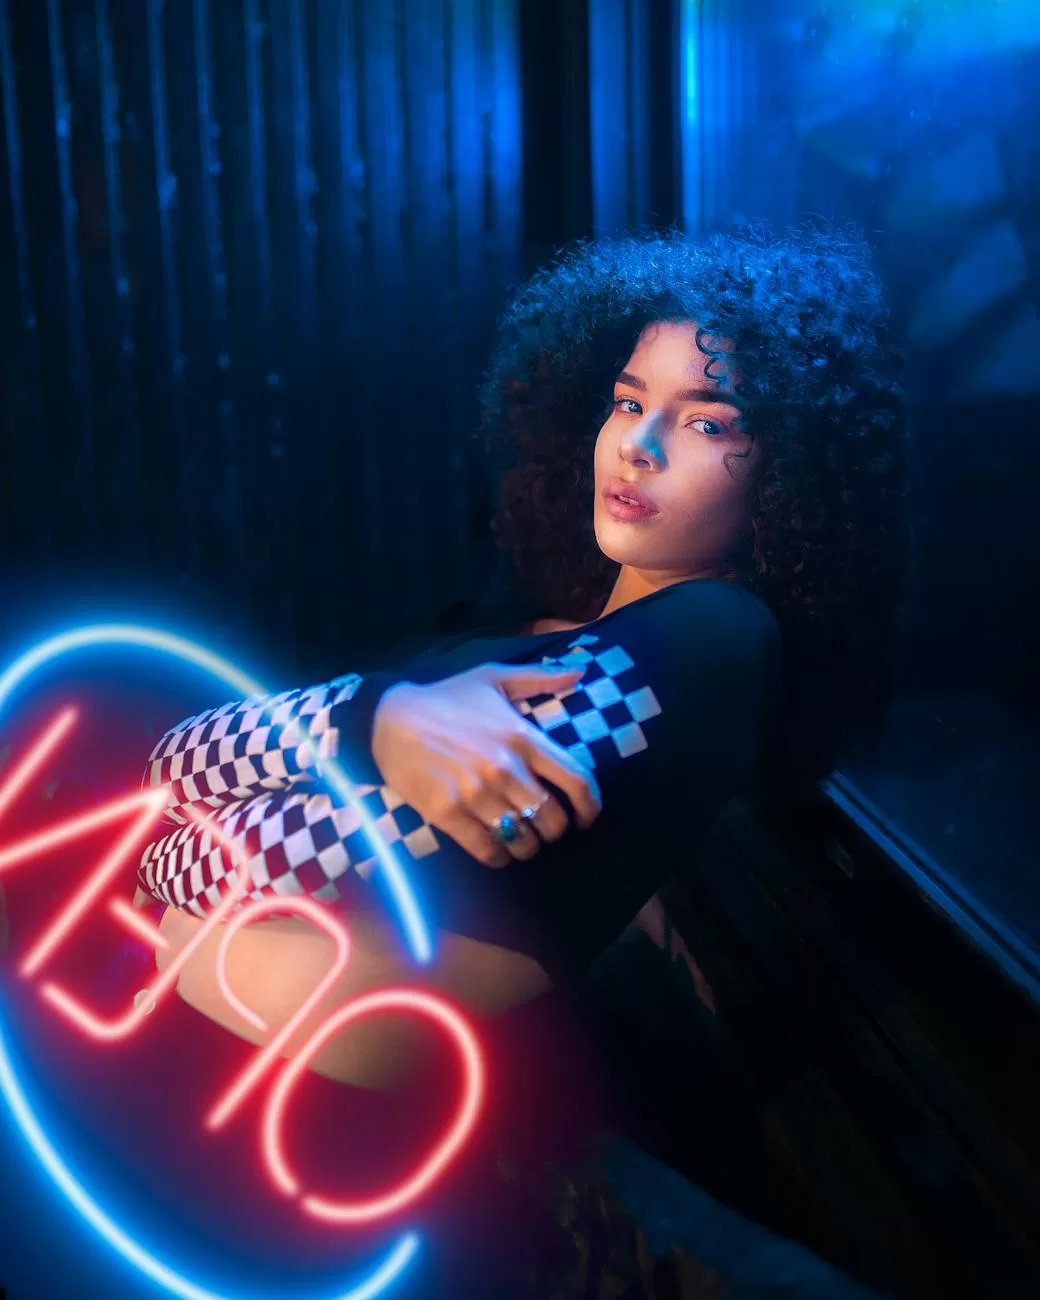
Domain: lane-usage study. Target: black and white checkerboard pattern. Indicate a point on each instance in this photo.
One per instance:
(266, 742)
(602, 716)
(294, 842)
(297, 842)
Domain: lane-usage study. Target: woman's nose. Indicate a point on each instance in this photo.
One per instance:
(641, 446)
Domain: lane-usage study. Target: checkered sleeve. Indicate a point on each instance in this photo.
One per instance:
(266, 743)
(294, 841)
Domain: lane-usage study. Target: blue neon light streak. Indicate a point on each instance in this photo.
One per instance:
(105, 634)
(690, 87)
(691, 115)
(181, 648)
(387, 1272)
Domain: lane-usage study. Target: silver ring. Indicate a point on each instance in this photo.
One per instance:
(532, 810)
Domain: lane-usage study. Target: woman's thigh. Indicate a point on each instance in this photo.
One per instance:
(273, 966)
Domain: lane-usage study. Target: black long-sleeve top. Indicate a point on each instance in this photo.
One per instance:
(673, 714)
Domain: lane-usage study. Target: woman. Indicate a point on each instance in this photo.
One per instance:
(705, 507)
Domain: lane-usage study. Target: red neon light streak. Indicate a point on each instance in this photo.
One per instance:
(444, 1151)
(132, 919)
(250, 1077)
(151, 804)
(36, 758)
(113, 1030)
(236, 1094)
(74, 828)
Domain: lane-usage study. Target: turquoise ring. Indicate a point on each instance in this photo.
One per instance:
(505, 829)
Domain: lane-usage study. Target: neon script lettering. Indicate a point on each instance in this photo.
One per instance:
(136, 815)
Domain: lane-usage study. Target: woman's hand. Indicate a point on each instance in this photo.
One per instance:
(462, 755)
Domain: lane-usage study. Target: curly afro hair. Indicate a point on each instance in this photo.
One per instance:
(803, 315)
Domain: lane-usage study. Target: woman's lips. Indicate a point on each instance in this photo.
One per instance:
(628, 511)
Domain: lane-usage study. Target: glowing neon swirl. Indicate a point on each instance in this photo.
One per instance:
(443, 1153)
(407, 908)
(396, 1261)
(424, 1004)
(106, 634)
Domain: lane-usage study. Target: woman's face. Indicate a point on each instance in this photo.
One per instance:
(665, 442)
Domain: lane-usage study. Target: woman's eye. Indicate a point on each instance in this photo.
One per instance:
(619, 403)
(713, 428)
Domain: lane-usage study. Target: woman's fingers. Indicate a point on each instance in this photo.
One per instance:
(500, 788)
(519, 681)
(519, 790)
(460, 753)
(475, 837)
(547, 759)
(459, 817)
(512, 787)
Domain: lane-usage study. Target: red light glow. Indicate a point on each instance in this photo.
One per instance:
(444, 1151)
(144, 808)
(36, 757)
(247, 1081)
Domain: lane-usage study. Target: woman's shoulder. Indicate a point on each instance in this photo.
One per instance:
(713, 603)
(735, 596)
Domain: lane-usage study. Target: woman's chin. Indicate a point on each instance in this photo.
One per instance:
(612, 540)
(628, 556)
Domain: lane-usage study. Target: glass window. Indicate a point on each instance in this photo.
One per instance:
(918, 123)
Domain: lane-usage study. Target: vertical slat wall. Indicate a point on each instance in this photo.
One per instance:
(21, 393)
(736, 162)
(250, 257)
(632, 113)
(617, 76)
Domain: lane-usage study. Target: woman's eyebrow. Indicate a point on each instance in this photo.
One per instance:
(719, 396)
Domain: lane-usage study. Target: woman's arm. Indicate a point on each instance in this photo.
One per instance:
(295, 841)
(268, 742)
(267, 806)
(672, 691)
(457, 750)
